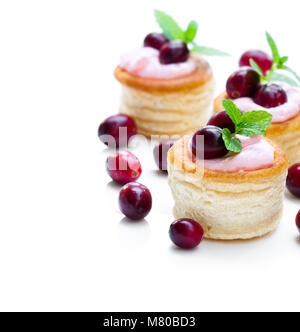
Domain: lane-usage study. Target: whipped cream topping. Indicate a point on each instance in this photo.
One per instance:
(144, 62)
(280, 113)
(256, 154)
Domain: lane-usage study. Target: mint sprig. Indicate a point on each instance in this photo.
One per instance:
(278, 77)
(173, 31)
(247, 124)
(274, 48)
(169, 26)
(191, 31)
(231, 143)
(279, 63)
(256, 67)
(208, 51)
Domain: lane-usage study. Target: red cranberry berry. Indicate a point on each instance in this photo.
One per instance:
(135, 201)
(293, 180)
(119, 128)
(186, 233)
(155, 40)
(123, 167)
(213, 145)
(160, 153)
(222, 120)
(174, 52)
(242, 83)
(298, 221)
(270, 95)
(264, 61)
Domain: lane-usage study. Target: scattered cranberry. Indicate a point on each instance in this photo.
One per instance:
(222, 120)
(119, 127)
(242, 83)
(270, 95)
(298, 221)
(160, 153)
(174, 52)
(135, 201)
(264, 61)
(123, 167)
(213, 145)
(186, 233)
(155, 40)
(293, 180)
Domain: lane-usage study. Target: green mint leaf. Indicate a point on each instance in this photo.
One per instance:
(250, 129)
(283, 60)
(169, 26)
(226, 135)
(262, 118)
(208, 51)
(235, 145)
(256, 67)
(274, 49)
(232, 144)
(290, 70)
(191, 31)
(247, 124)
(233, 111)
(283, 78)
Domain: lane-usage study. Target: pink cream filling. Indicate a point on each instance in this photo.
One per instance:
(144, 62)
(280, 113)
(256, 154)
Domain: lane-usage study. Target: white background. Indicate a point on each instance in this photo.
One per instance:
(64, 245)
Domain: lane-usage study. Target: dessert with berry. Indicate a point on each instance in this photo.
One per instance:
(260, 84)
(167, 85)
(228, 177)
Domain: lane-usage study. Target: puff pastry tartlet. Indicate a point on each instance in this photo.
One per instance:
(228, 205)
(234, 188)
(170, 107)
(261, 84)
(167, 86)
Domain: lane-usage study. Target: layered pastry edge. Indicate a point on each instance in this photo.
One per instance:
(228, 205)
(172, 107)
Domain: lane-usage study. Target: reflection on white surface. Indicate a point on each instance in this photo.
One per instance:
(133, 235)
(113, 186)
